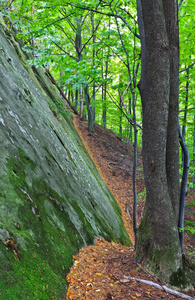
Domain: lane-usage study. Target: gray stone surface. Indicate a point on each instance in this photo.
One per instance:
(52, 199)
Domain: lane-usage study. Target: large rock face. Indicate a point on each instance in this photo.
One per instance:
(52, 199)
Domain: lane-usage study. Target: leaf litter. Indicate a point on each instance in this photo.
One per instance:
(101, 271)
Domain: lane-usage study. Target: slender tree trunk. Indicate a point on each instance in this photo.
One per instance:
(185, 114)
(105, 86)
(184, 183)
(158, 236)
(130, 125)
(72, 96)
(103, 104)
(134, 175)
(76, 99)
(94, 40)
(89, 109)
(81, 103)
(68, 95)
(193, 181)
(120, 118)
(78, 46)
(186, 103)
(142, 84)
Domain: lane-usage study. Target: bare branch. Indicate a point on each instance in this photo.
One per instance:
(124, 21)
(71, 25)
(9, 4)
(161, 287)
(127, 87)
(180, 3)
(123, 9)
(121, 99)
(48, 25)
(188, 67)
(119, 107)
(84, 18)
(69, 38)
(91, 35)
(187, 109)
(109, 15)
(112, 51)
(65, 51)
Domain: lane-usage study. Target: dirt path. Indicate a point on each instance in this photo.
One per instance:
(98, 271)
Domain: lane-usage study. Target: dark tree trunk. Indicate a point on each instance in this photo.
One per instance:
(105, 86)
(184, 183)
(120, 118)
(193, 177)
(94, 39)
(78, 46)
(134, 175)
(89, 110)
(76, 99)
(81, 103)
(172, 155)
(186, 103)
(158, 236)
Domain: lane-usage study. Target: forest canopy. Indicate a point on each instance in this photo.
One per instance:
(97, 45)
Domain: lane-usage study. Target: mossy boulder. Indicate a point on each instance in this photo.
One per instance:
(52, 198)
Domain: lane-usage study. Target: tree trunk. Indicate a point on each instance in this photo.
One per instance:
(94, 40)
(89, 110)
(158, 236)
(186, 103)
(172, 155)
(81, 103)
(76, 99)
(105, 85)
(134, 174)
(193, 177)
(78, 46)
(120, 117)
(184, 184)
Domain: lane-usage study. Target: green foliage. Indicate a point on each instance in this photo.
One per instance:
(142, 195)
(190, 227)
(85, 43)
(58, 107)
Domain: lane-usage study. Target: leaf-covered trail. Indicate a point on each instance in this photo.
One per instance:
(115, 165)
(99, 270)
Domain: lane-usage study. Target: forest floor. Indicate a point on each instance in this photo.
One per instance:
(99, 270)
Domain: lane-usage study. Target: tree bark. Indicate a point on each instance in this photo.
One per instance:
(158, 237)
(89, 110)
(184, 184)
(78, 47)
(172, 155)
(94, 40)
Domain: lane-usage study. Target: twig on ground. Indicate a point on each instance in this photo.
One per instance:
(161, 287)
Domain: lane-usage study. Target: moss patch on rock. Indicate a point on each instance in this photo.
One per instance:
(52, 199)
(184, 278)
(45, 238)
(36, 249)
